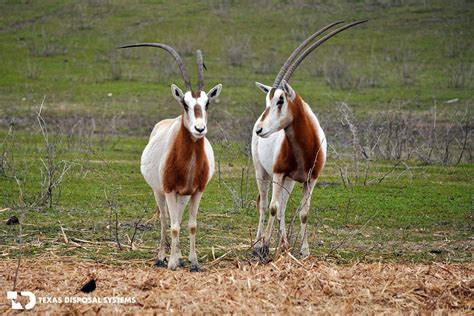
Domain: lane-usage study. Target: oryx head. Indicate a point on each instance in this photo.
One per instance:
(194, 103)
(280, 96)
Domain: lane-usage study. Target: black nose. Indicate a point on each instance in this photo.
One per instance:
(259, 131)
(200, 130)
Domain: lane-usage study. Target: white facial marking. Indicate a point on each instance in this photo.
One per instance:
(276, 115)
(195, 117)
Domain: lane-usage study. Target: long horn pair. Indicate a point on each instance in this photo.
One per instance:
(179, 61)
(295, 59)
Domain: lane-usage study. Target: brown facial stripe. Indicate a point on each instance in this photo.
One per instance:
(196, 94)
(186, 168)
(265, 113)
(301, 149)
(197, 111)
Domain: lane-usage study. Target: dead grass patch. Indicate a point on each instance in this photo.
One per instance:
(287, 285)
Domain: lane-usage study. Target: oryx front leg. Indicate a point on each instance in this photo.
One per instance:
(304, 210)
(192, 225)
(287, 188)
(281, 189)
(176, 205)
(162, 209)
(263, 183)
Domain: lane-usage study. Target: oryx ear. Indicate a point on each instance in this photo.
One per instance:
(214, 93)
(177, 93)
(289, 90)
(263, 87)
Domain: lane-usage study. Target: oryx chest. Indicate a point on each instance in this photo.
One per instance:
(186, 168)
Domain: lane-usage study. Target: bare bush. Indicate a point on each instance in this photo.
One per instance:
(315, 68)
(80, 17)
(401, 54)
(164, 69)
(115, 71)
(220, 7)
(47, 45)
(454, 45)
(459, 75)
(32, 71)
(53, 170)
(337, 74)
(238, 51)
(186, 46)
(265, 66)
(407, 72)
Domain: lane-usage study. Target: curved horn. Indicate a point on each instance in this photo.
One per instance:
(295, 53)
(200, 64)
(173, 53)
(316, 45)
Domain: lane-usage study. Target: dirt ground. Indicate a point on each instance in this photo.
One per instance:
(287, 285)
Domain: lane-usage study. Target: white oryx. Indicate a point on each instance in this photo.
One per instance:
(178, 161)
(288, 145)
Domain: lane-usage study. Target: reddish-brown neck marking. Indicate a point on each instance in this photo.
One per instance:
(301, 151)
(186, 168)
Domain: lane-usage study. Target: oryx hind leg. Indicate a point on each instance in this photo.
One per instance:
(304, 211)
(162, 209)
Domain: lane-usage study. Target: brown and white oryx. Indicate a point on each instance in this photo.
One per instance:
(288, 146)
(178, 160)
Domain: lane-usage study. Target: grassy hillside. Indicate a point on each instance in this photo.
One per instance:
(410, 53)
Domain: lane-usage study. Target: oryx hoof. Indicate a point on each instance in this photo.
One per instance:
(161, 263)
(304, 252)
(194, 268)
(261, 253)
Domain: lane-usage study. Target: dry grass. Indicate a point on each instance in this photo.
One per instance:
(285, 286)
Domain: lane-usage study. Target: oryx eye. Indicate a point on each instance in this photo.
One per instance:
(207, 104)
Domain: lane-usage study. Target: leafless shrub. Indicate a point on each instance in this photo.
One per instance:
(33, 71)
(459, 75)
(408, 72)
(238, 51)
(315, 67)
(220, 7)
(336, 73)
(98, 3)
(300, 33)
(466, 126)
(347, 120)
(80, 17)
(53, 170)
(454, 45)
(46, 46)
(115, 72)
(265, 66)
(388, 3)
(401, 54)
(163, 68)
(186, 46)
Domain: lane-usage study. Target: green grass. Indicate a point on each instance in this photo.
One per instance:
(421, 215)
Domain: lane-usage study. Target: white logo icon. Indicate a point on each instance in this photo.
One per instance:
(15, 305)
